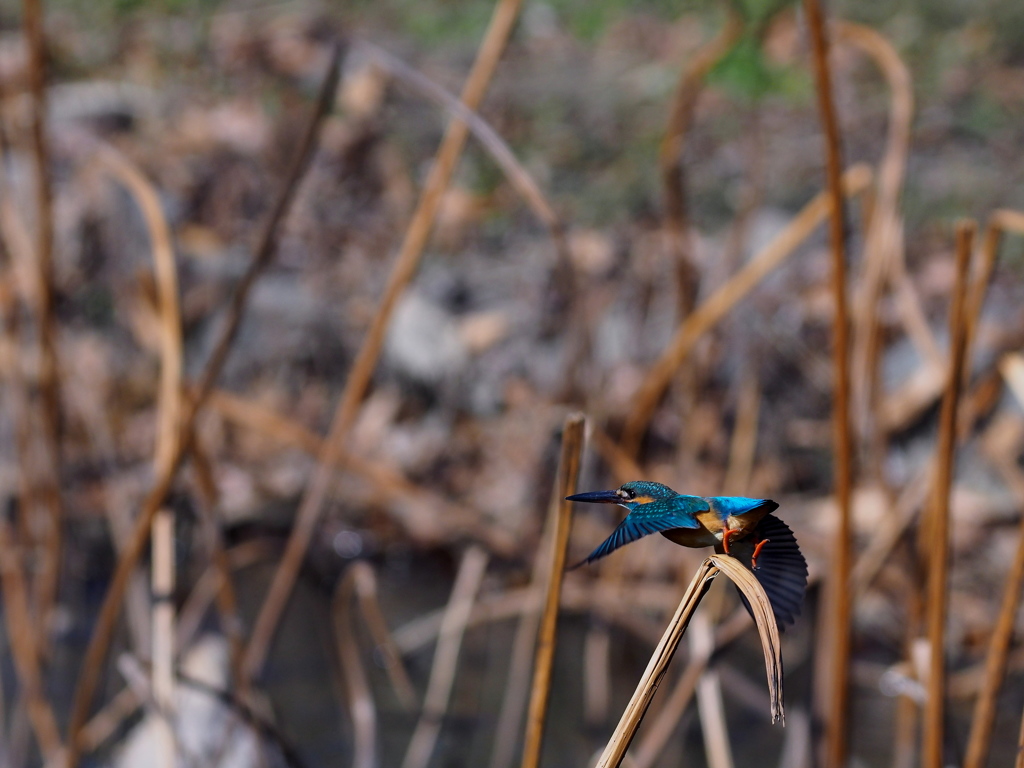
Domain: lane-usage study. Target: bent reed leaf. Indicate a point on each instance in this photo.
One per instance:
(767, 628)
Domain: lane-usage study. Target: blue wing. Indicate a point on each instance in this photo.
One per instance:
(737, 506)
(653, 517)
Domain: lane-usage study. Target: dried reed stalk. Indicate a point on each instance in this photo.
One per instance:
(24, 648)
(615, 751)
(665, 722)
(162, 672)
(365, 580)
(839, 607)
(500, 28)
(883, 240)
(99, 642)
(517, 686)
(169, 409)
(983, 720)
(715, 307)
(428, 517)
(45, 586)
(938, 526)
(446, 657)
(361, 706)
(540, 690)
(18, 618)
(670, 156)
(984, 716)
(713, 725)
(490, 139)
(615, 606)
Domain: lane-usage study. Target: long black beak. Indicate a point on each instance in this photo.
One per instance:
(597, 497)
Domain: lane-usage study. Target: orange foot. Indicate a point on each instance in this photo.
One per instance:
(726, 534)
(757, 551)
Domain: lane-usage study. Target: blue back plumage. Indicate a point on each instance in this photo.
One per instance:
(737, 506)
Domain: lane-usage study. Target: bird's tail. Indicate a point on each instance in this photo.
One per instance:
(781, 568)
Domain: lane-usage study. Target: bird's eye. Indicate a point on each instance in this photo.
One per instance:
(627, 493)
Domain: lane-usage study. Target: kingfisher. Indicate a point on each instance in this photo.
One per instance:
(734, 525)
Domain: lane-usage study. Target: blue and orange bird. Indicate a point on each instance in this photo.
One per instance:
(738, 526)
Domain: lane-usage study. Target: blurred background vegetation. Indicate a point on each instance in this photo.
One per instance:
(488, 349)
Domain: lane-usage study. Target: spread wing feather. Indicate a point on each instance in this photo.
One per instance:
(653, 517)
(781, 568)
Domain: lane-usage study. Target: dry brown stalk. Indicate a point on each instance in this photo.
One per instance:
(902, 513)
(713, 725)
(517, 687)
(615, 751)
(927, 385)
(99, 642)
(18, 616)
(423, 517)
(839, 604)
(361, 706)
(743, 447)
(617, 606)
(225, 598)
(500, 28)
(162, 672)
(670, 156)
(24, 648)
(165, 270)
(883, 241)
(109, 720)
(938, 526)
(983, 719)
(169, 407)
(446, 657)
(365, 580)
(659, 731)
(715, 307)
(496, 147)
(45, 585)
(622, 464)
(1000, 221)
(540, 690)
(597, 675)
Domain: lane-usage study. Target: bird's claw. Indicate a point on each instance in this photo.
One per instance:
(757, 550)
(726, 534)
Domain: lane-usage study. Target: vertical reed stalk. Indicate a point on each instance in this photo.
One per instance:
(163, 633)
(938, 550)
(45, 586)
(1019, 762)
(984, 716)
(568, 472)
(361, 706)
(505, 14)
(24, 650)
(995, 662)
(839, 592)
(96, 652)
(517, 688)
(856, 179)
(713, 724)
(670, 157)
(446, 657)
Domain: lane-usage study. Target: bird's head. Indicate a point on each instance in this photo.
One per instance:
(630, 495)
